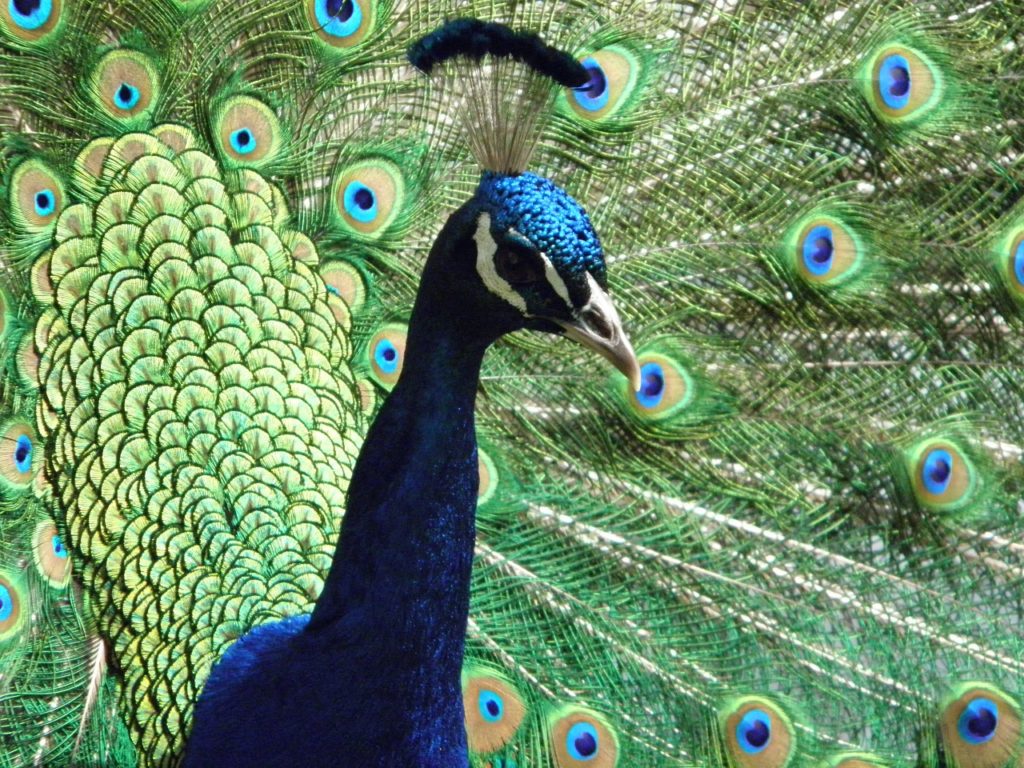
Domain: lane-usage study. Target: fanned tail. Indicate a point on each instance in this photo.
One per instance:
(798, 543)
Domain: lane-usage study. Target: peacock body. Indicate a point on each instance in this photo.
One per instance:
(799, 543)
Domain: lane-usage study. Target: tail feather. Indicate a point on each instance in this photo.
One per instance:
(805, 525)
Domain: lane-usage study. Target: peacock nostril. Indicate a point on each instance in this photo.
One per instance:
(599, 323)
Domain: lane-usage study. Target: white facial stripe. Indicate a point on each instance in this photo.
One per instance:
(485, 250)
(556, 281)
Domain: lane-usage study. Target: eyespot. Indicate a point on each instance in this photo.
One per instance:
(980, 726)
(1009, 253)
(488, 478)
(581, 737)
(943, 476)
(666, 387)
(51, 555)
(248, 130)
(30, 20)
(10, 607)
(368, 197)
(582, 742)
(827, 251)
(1017, 261)
(614, 73)
(494, 711)
(754, 731)
(341, 23)
(125, 84)
(491, 706)
(757, 733)
(979, 721)
(36, 197)
(19, 457)
(387, 353)
(904, 83)
(345, 281)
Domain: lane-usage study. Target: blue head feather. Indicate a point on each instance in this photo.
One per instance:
(546, 214)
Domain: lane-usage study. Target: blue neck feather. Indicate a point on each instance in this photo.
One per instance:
(373, 678)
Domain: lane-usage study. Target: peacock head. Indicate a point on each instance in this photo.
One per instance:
(537, 262)
(538, 255)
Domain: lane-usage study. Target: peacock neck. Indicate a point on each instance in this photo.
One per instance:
(407, 537)
(398, 589)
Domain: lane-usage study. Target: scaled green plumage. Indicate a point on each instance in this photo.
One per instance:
(197, 327)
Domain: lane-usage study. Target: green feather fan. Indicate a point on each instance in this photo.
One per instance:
(799, 544)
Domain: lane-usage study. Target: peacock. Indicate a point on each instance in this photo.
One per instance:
(236, 235)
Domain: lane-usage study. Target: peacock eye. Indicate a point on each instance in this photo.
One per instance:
(494, 712)
(581, 738)
(340, 23)
(518, 264)
(754, 731)
(583, 742)
(979, 721)
(594, 95)
(31, 20)
(44, 202)
(1017, 261)
(491, 706)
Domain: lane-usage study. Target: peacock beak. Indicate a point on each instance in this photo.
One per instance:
(598, 327)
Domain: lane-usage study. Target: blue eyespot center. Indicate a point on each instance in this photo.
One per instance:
(895, 82)
(818, 249)
(45, 202)
(754, 731)
(979, 721)
(652, 385)
(594, 94)
(582, 742)
(364, 198)
(937, 471)
(242, 141)
(339, 18)
(386, 356)
(58, 547)
(492, 708)
(30, 14)
(597, 84)
(1018, 263)
(6, 603)
(342, 10)
(127, 96)
(360, 202)
(23, 453)
(900, 82)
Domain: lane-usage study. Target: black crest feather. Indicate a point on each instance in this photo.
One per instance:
(474, 39)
